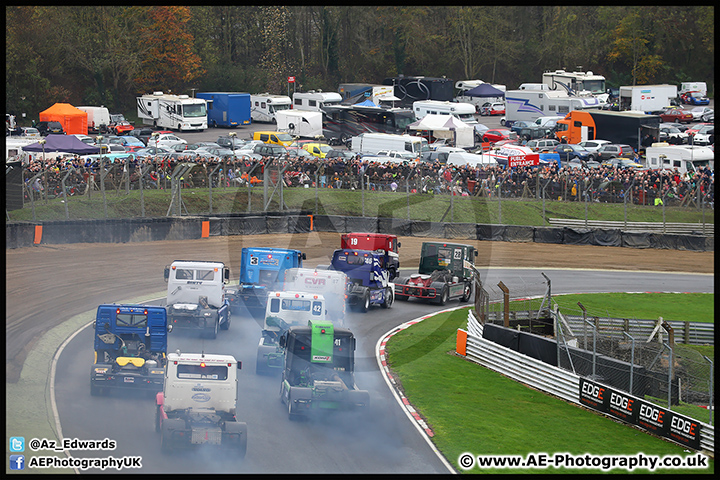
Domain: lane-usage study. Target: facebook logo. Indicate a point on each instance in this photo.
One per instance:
(17, 462)
(17, 444)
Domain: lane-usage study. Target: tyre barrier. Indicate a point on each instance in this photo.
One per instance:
(25, 234)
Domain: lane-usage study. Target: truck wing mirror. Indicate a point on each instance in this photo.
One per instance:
(166, 273)
(169, 328)
(226, 275)
(399, 245)
(303, 256)
(239, 365)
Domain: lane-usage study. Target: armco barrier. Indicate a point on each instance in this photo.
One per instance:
(536, 374)
(22, 234)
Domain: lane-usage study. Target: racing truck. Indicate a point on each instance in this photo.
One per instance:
(283, 310)
(330, 283)
(261, 270)
(385, 244)
(368, 282)
(197, 406)
(196, 296)
(445, 272)
(319, 370)
(130, 346)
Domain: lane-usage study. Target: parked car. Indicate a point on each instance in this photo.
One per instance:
(676, 115)
(119, 125)
(47, 128)
(142, 133)
(592, 146)
(396, 154)
(85, 138)
(267, 150)
(492, 108)
(613, 150)
(317, 149)
(230, 142)
(341, 154)
(702, 114)
(497, 134)
(621, 163)
(672, 135)
(479, 130)
(517, 126)
(31, 132)
(129, 140)
(300, 153)
(542, 144)
(577, 163)
(694, 98)
(217, 151)
(568, 151)
(704, 136)
(533, 132)
(151, 151)
(165, 140)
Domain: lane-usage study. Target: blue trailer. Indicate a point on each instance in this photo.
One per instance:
(227, 109)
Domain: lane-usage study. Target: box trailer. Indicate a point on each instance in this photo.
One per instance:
(300, 123)
(617, 127)
(227, 109)
(647, 98)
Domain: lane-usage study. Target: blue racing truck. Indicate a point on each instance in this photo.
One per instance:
(261, 270)
(368, 281)
(130, 348)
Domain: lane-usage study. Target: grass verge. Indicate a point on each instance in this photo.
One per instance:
(473, 409)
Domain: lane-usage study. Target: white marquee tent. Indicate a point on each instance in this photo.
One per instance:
(447, 126)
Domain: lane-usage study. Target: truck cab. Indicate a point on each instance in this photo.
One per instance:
(198, 403)
(368, 280)
(329, 283)
(261, 270)
(445, 272)
(386, 244)
(130, 344)
(196, 296)
(285, 309)
(319, 370)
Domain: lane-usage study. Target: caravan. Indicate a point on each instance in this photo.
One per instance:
(315, 101)
(684, 158)
(264, 105)
(461, 111)
(172, 111)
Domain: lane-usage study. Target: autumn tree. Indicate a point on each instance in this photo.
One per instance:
(631, 45)
(171, 64)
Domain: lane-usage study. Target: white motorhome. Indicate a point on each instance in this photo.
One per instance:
(533, 86)
(684, 158)
(373, 143)
(315, 101)
(14, 148)
(263, 106)
(528, 105)
(300, 123)
(462, 111)
(576, 83)
(179, 112)
(647, 98)
(98, 118)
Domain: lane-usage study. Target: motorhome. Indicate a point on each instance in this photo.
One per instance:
(684, 158)
(315, 101)
(528, 105)
(179, 112)
(576, 83)
(264, 105)
(462, 111)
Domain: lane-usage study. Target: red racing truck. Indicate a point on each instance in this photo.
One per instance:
(376, 242)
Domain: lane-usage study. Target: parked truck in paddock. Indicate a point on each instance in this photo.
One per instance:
(328, 283)
(319, 370)
(198, 404)
(387, 244)
(261, 270)
(227, 109)
(130, 348)
(196, 296)
(368, 281)
(285, 309)
(445, 273)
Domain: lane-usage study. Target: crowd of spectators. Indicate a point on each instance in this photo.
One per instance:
(602, 184)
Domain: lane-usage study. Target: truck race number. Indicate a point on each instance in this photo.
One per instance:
(353, 241)
(317, 308)
(458, 254)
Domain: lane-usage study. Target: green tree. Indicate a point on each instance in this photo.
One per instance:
(632, 44)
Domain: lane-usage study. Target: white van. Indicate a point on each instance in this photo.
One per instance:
(373, 143)
(98, 118)
(315, 101)
(264, 105)
(693, 87)
(542, 121)
(462, 111)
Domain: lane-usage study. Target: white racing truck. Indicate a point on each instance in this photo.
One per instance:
(329, 283)
(283, 310)
(196, 296)
(198, 402)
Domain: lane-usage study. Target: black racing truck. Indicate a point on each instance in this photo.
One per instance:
(319, 370)
(445, 273)
(130, 348)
